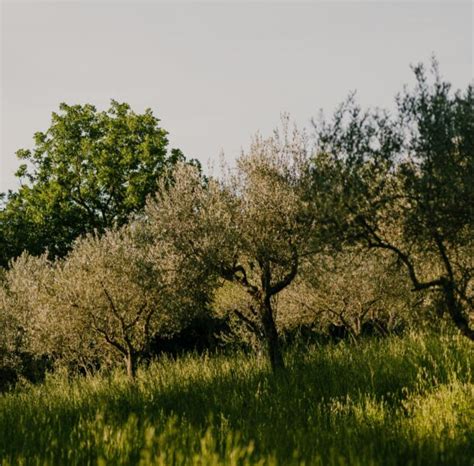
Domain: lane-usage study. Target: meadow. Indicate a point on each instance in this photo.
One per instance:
(395, 401)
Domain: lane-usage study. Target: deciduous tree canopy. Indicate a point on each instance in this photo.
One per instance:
(88, 171)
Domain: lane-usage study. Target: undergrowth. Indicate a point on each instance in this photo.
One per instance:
(395, 401)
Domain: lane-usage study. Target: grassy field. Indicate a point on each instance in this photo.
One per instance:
(398, 401)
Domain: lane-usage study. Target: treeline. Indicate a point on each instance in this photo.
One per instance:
(114, 243)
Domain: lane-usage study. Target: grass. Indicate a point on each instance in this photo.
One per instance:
(397, 401)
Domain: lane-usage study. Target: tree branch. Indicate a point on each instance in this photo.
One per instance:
(116, 313)
(109, 340)
(289, 277)
(377, 242)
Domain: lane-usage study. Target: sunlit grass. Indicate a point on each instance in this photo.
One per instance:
(396, 401)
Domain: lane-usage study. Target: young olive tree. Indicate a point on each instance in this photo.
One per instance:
(251, 228)
(405, 185)
(121, 291)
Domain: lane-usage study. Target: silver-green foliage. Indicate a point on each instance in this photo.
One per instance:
(250, 228)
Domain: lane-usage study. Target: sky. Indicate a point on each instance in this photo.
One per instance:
(216, 72)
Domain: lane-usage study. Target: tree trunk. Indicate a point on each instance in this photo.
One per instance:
(273, 343)
(130, 363)
(455, 311)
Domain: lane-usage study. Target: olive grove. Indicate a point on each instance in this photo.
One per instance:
(329, 234)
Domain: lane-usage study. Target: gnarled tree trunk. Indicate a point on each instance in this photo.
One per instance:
(271, 335)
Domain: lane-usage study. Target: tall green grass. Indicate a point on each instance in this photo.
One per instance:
(397, 401)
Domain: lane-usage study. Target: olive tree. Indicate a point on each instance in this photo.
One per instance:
(250, 228)
(23, 309)
(404, 184)
(120, 290)
(350, 290)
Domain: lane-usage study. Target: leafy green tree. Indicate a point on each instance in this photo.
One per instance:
(88, 171)
(404, 184)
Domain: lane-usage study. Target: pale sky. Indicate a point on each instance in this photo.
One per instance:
(216, 72)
